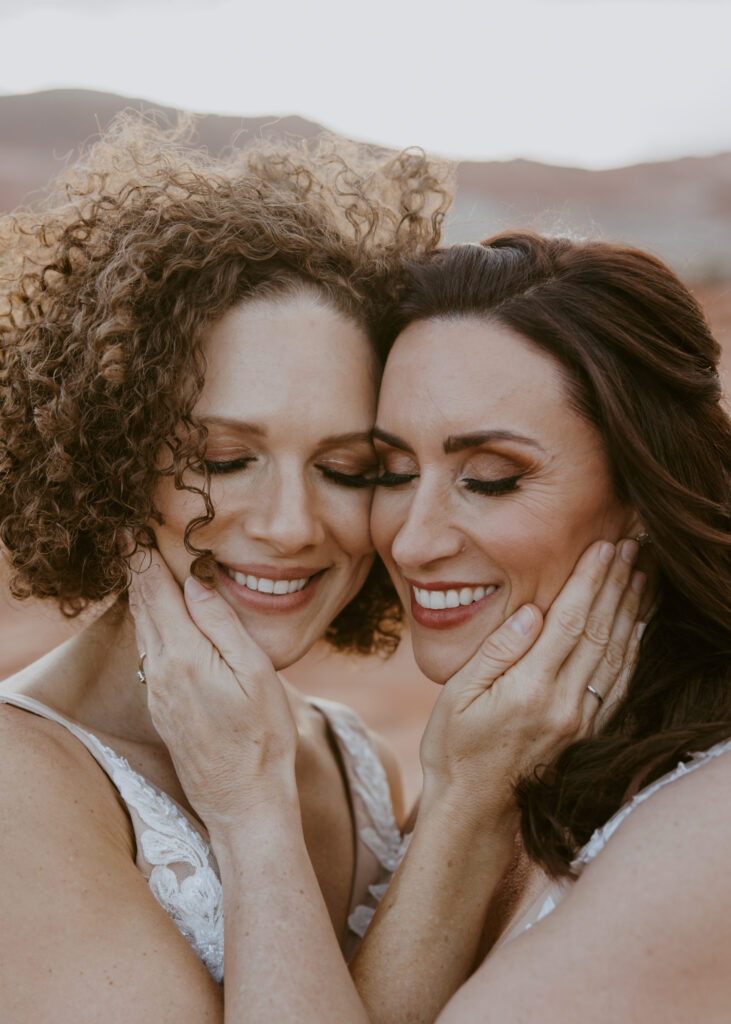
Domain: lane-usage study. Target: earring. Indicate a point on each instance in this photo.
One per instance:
(643, 538)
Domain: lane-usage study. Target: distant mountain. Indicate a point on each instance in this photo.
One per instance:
(679, 209)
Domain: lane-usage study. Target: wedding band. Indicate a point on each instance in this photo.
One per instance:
(592, 691)
(141, 672)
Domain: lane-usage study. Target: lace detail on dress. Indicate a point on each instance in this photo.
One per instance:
(383, 837)
(176, 860)
(195, 901)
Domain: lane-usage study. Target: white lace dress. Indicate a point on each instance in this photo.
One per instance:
(556, 891)
(178, 862)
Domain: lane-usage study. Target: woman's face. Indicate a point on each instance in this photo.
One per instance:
(493, 485)
(289, 402)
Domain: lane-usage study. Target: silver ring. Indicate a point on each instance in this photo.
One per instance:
(592, 691)
(140, 670)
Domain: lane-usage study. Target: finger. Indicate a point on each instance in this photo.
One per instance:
(499, 652)
(567, 616)
(604, 638)
(613, 664)
(216, 620)
(156, 601)
(618, 690)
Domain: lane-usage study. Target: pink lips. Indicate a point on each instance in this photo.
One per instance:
(240, 596)
(445, 618)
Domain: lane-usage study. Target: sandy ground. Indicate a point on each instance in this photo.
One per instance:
(391, 695)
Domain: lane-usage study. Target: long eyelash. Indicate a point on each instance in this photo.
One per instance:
(388, 479)
(504, 486)
(347, 479)
(219, 468)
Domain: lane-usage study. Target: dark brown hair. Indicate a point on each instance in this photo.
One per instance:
(640, 363)
(107, 291)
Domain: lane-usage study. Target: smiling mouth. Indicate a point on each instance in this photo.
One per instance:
(451, 597)
(267, 585)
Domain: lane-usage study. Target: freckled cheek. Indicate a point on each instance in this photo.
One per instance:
(388, 514)
(349, 522)
(538, 555)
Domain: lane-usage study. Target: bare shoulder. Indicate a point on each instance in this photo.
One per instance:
(644, 933)
(81, 928)
(48, 774)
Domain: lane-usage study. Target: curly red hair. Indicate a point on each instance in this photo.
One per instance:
(108, 290)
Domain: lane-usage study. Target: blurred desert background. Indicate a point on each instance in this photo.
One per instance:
(679, 210)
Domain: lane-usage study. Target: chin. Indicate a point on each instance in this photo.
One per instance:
(439, 665)
(280, 649)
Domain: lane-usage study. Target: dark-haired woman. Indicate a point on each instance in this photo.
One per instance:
(539, 394)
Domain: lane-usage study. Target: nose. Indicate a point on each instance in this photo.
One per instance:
(286, 515)
(428, 533)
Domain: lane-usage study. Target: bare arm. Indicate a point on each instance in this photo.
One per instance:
(82, 937)
(642, 938)
(482, 736)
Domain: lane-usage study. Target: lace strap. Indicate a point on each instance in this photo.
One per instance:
(368, 780)
(602, 835)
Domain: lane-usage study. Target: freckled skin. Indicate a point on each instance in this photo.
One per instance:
(454, 377)
(300, 373)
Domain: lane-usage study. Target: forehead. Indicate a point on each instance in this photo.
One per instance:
(272, 354)
(471, 370)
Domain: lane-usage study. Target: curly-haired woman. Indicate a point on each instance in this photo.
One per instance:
(539, 393)
(171, 319)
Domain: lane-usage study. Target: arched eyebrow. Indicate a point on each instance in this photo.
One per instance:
(353, 437)
(391, 440)
(233, 424)
(460, 442)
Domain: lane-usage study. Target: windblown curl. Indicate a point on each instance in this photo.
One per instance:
(106, 293)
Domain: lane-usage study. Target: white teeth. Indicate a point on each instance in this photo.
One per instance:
(439, 599)
(263, 585)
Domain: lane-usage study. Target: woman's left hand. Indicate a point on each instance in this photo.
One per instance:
(214, 696)
(534, 687)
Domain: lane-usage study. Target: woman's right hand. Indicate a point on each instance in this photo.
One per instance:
(523, 697)
(214, 697)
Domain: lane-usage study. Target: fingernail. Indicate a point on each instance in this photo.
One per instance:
(522, 620)
(195, 591)
(629, 551)
(606, 553)
(640, 629)
(638, 582)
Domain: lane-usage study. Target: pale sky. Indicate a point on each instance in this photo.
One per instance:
(596, 83)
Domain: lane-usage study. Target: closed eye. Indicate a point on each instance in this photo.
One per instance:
(232, 466)
(389, 479)
(347, 479)
(503, 486)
